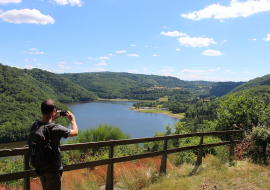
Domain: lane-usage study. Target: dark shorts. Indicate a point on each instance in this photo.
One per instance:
(51, 180)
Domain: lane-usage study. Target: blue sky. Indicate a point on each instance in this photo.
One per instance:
(212, 40)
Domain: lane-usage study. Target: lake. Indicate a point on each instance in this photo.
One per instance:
(136, 124)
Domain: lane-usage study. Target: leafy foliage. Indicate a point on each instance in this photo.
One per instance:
(20, 105)
(127, 85)
(257, 82)
(246, 111)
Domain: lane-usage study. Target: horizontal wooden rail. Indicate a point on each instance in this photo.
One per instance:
(78, 146)
(110, 161)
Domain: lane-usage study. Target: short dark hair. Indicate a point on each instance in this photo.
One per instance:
(47, 106)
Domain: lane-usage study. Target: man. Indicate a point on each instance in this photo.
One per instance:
(51, 177)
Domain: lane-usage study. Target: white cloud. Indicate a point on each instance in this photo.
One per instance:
(132, 71)
(63, 67)
(71, 2)
(167, 71)
(26, 16)
(144, 69)
(25, 59)
(155, 55)
(97, 69)
(213, 70)
(177, 49)
(101, 58)
(224, 41)
(193, 71)
(254, 39)
(111, 55)
(38, 64)
(102, 61)
(234, 10)
(33, 49)
(101, 64)
(268, 38)
(246, 72)
(134, 55)
(210, 52)
(10, 1)
(123, 51)
(229, 71)
(29, 67)
(36, 52)
(77, 63)
(173, 34)
(133, 45)
(145, 46)
(195, 42)
(89, 57)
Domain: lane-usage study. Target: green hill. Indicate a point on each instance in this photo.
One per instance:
(219, 89)
(20, 105)
(58, 87)
(259, 84)
(122, 85)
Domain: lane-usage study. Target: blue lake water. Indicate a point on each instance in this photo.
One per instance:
(136, 124)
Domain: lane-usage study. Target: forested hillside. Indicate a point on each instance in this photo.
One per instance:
(123, 85)
(20, 105)
(258, 84)
(58, 87)
(221, 88)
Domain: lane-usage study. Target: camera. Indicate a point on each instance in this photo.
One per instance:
(63, 113)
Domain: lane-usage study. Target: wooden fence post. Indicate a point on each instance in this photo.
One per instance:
(264, 153)
(231, 156)
(200, 152)
(163, 164)
(109, 181)
(26, 167)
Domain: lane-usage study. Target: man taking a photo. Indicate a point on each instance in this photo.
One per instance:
(51, 173)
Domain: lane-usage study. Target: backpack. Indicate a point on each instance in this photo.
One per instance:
(40, 150)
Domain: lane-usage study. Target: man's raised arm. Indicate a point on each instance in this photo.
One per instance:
(74, 128)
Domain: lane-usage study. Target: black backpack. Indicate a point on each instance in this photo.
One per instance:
(40, 150)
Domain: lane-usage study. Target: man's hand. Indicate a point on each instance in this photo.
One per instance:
(55, 117)
(70, 116)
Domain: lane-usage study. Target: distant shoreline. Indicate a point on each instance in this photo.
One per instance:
(165, 112)
(125, 100)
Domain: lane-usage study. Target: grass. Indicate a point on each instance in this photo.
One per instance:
(213, 174)
(128, 100)
(166, 112)
(144, 174)
(165, 99)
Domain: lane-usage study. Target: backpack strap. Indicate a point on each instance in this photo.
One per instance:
(35, 123)
(48, 132)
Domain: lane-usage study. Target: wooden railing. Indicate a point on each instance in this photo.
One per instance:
(26, 174)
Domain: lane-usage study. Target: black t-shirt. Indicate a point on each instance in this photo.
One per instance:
(57, 132)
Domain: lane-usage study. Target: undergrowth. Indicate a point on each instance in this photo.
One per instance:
(214, 173)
